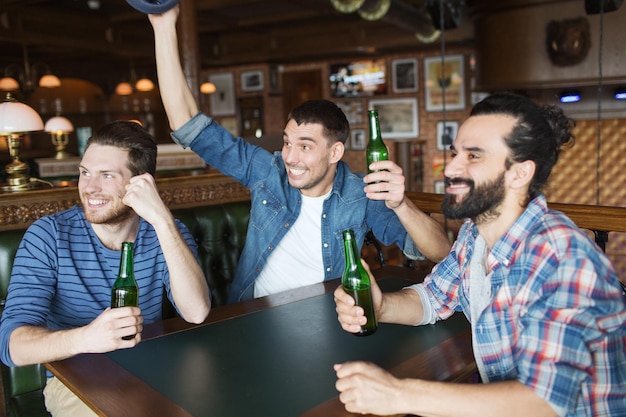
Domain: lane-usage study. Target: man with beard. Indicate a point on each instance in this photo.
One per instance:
(59, 296)
(544, 303)
(303, 197)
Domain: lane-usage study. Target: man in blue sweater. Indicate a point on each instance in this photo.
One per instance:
(303, 197)
(59, 296)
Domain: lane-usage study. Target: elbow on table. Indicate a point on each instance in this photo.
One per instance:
(199, 314)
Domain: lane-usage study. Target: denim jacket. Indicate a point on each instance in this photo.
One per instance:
(276, 204)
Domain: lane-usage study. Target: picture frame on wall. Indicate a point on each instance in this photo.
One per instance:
(404, 75)
(398, 117)
(446, 132)
(444, 75)
(223, 99)
(357, 139)
(353, 109)
(251, 81)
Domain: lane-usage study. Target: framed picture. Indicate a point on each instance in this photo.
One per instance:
(230, 124)
(397, 117)
(223, 99)
(353, 109)
(252, 80)
(404, 72)
(446, 132)
(444, 75)
(357, 140)
(439, 187)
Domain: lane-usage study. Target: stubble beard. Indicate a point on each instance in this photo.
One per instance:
(113, 216)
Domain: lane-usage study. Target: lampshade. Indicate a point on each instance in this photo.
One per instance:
(49, 81)
(144, 84)
(9, 84)
(59, 125)
(124, 89)
(16, 117)
(207, 88)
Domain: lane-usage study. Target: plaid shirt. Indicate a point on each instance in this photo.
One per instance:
(556, 321)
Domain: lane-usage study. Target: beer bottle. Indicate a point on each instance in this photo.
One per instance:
(376, 149)
(356, 282)
(125, 292)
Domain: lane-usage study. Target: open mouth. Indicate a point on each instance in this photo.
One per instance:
(296, 172)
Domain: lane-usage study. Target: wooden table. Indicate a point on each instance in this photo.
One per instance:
(266, 357)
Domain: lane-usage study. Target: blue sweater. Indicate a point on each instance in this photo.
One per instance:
(62, 275)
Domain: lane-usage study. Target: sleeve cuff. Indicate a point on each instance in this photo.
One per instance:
(191, 130)
(430, 317)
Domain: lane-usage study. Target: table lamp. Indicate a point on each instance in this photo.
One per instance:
(59, 128)
(16, 119)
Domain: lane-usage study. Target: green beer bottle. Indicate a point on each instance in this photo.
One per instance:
(376, 149)
(356, 282)
(125, 292)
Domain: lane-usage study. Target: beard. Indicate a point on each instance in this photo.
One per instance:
(481, 203)
(113, 216)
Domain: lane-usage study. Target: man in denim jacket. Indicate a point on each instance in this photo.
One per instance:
(302, 197)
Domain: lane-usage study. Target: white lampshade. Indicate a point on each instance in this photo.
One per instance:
(58, 125)
(16, 117)
(9, 84)
(144, 84)
(49, 81)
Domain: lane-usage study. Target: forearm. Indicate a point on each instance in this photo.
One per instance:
(428, 234)
(177, 98)
(29, 345)
(508, 398)
(188, 283)
(402, 307)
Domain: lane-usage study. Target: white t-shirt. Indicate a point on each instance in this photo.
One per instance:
(479, 293)
(297, 260)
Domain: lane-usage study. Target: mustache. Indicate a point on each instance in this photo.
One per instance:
(453, 181)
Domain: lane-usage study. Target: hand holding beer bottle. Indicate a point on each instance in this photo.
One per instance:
(125, 291)
(376, 149)
(356, 282)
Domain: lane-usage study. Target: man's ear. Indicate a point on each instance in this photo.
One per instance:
(522, 174)
(336, 152)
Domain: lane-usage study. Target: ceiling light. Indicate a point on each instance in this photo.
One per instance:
(9, 84)
(144, 84)
(569, 96)
(620, 93)
(26, 78)
(207, 88)
(49, 81)
(124, 89)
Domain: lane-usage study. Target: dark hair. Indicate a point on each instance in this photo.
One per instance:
(538, 135)
(326, 113)
(141, 146)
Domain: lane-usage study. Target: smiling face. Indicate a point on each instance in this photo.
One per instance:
(310, 159)
(102, 184)
(476, 180)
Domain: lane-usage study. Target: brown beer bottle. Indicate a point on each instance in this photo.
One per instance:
(376, 149)
(125, 291)
(356, 282)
